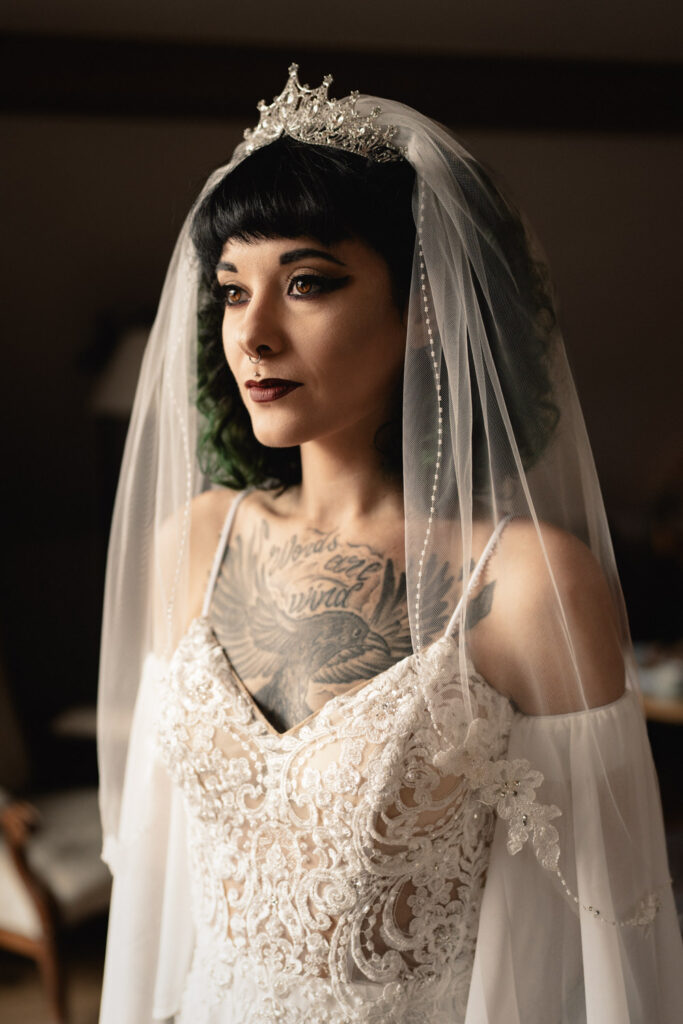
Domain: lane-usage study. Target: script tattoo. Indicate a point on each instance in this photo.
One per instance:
(304, 619)
(333, 576)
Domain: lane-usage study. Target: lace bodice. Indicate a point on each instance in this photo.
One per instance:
(337, 867)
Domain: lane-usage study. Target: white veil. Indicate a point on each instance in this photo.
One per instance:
(577, 914)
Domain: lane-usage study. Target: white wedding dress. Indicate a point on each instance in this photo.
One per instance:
(386, 863)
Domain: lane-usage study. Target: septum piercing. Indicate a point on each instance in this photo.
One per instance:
(255, 361)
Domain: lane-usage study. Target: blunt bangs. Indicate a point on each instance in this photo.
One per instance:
(289, 190)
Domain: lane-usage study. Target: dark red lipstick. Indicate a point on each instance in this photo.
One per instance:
(270, 389)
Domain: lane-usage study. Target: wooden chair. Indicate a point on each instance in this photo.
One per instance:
(51, 875)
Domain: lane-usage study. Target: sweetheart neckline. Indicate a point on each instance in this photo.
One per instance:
(257, 713)
(293, 733)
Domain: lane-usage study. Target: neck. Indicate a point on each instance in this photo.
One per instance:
(342, 480)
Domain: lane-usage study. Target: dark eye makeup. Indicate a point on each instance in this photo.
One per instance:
(303, 286)
(300, 286)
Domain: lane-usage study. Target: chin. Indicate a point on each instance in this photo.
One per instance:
(273, 435)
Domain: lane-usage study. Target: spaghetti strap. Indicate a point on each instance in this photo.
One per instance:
(220, 550)
(479, 569)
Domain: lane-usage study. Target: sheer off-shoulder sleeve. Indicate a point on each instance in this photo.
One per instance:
(150, 937)
(578, 924)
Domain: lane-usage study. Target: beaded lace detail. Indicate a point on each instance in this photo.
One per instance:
(345, 857)
(338, 868)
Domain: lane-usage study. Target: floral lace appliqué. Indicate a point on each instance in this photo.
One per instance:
(509, 788)
(337, 870)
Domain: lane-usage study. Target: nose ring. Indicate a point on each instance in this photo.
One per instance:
(252, 360)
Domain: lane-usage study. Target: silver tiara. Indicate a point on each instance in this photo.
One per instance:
(310, 116)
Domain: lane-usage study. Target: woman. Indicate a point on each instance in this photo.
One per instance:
(386, 761)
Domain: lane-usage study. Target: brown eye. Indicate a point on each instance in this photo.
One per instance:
(311, 286)
(233, 295)
(303, 285)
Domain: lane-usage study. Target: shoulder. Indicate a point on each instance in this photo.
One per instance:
(552, 640)
(539, 560)
(208, 512)
(207, 516)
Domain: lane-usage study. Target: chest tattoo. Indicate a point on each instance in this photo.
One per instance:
(305, 617)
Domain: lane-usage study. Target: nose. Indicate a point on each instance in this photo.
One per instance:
(257, 332)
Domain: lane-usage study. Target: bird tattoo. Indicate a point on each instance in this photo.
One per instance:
(294, 663)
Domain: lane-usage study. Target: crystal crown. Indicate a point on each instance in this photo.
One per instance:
(310, 116)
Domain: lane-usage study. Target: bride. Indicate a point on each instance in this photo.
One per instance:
(371, 745)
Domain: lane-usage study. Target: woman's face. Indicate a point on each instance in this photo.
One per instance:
(331, 339)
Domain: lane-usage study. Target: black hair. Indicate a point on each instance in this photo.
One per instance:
(289, 189)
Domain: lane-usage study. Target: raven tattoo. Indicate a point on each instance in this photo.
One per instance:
(306, 659)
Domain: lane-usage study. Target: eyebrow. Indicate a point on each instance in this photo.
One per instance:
(290, 257)
(299, 254)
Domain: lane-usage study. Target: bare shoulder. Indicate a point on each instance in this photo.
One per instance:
(208, 514)
(552, 640)
(528, 553)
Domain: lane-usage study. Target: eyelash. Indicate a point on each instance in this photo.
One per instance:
(321, 285)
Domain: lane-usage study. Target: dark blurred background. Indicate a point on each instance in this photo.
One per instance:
(111, 116)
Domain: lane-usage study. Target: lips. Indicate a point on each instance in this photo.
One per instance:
(270, 389)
